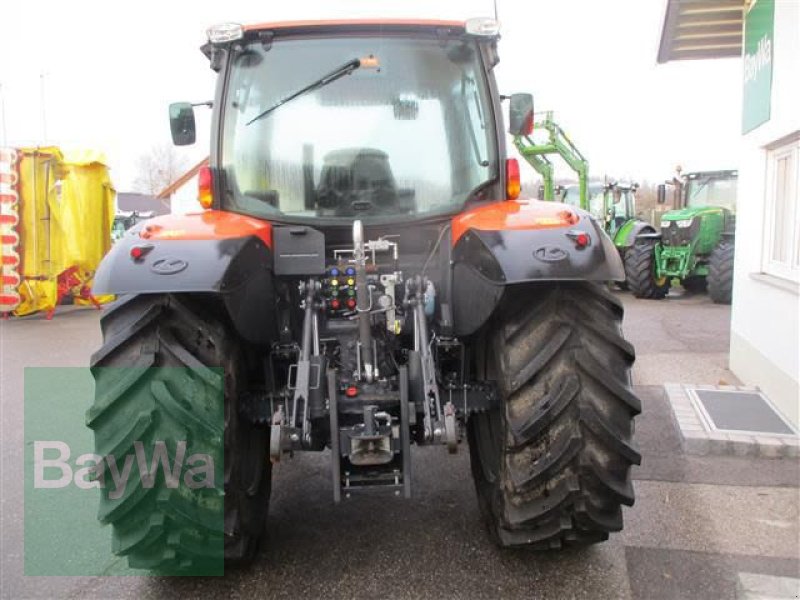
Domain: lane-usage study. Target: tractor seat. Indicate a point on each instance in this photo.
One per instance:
(356, 180)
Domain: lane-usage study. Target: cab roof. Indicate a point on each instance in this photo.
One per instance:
(355, 24)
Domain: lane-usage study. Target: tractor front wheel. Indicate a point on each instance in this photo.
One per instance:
(720, 273)
(640, 271)
(552, 465)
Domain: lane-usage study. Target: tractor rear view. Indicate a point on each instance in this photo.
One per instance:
(364, 278)
(696, 243)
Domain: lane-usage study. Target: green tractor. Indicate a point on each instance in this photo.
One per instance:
(124, 220)
(696, 242)
(612, 204)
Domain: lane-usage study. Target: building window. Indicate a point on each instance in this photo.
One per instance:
(782, 235)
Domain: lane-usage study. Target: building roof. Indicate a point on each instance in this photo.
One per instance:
(129, 201)
(697, 29)
(182, 180)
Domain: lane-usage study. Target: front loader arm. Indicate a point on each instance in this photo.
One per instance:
(558, 142)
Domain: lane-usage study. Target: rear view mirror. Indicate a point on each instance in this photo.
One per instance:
(520, 114)
(181, 123)
(661, 197)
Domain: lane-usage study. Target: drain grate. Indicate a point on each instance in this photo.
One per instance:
(740, 411)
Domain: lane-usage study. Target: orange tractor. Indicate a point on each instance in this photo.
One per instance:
(364, 277)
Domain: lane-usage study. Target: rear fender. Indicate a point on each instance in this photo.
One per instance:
(535, 242)
(645, 235)
(188, 259)
(627, 234)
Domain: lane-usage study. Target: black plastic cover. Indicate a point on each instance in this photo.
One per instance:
(299, 251)
(486, 262)
(239, 270)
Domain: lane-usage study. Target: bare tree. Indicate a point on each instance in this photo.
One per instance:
(158, 168)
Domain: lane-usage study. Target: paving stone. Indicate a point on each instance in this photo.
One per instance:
(769, 447)
(718, 443)
(681, 399)
(791, 447)
(748, 388)
(685, 415)
(743, 445)
(752, 586)
(696, 442)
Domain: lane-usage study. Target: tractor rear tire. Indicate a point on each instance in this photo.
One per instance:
(155, 380)
(640, 272)
(720, 272)
(552, 466)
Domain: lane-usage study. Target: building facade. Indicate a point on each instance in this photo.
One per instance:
(765, 331)
(765, 321)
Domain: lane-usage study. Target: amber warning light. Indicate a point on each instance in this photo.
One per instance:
(369, 62)
(513, 184)
(205, 186)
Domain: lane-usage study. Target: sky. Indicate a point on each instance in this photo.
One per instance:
(100, 75)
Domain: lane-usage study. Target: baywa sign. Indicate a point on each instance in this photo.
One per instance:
(757, 63)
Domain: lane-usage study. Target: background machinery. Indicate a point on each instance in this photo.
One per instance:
(612, 204)
(124, 220)
(696, 243)
(364, 278)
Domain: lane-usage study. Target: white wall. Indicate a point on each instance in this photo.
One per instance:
(765, 334)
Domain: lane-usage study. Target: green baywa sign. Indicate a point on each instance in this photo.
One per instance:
(758, 53)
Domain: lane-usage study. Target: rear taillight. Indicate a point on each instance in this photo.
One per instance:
(205, 185)
(139, 252)
(513, 185)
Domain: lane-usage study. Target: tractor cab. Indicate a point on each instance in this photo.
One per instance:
(613, 204)
(620, 205)
(710, 188)
(124, 220)
(384, 122)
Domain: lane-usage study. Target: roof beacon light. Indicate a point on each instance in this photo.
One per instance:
(482, 26)
(224, 33)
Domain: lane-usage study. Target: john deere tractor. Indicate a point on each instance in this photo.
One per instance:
(612, 204)
(364, 278)
(696, 243)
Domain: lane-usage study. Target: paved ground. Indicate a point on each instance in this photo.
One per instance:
(698, 522)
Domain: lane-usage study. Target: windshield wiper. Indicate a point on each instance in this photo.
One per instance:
(337, 73)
